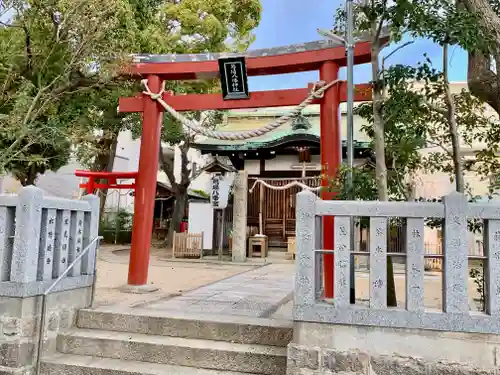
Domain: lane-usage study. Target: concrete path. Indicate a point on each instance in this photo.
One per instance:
(228, 289)
(257, 293)
(171, 278)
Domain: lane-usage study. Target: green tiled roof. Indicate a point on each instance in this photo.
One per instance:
(306, 129)
(301, 126)
(261, 141)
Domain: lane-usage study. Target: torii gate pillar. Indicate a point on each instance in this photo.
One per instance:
(331, 157)
(145, 191)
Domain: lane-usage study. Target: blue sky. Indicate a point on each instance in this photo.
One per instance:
(295, 21)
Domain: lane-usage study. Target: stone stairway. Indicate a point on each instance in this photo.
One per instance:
(118, 341)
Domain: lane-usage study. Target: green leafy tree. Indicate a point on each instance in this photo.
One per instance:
(97, 126)
(49, 152)
(457, 23)
(188, 26)
(403, 119)
(474, 25)
(416, 118)
(50, 52)
(375, 20)
(197, 26)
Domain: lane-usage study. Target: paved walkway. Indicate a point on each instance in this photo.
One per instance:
(257, 293)
(249, 290)
(171, 278)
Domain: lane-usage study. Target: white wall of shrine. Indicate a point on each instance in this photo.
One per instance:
(291, 162)
(286, 163)
(252, 167)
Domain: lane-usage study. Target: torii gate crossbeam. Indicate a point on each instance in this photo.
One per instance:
(323, 56)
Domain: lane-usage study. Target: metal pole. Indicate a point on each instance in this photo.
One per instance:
(350, 127)
(94, 282)
(41, 331)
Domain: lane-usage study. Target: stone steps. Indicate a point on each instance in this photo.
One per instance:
(177, 351)
(83, 365)
(163, 339)
(234, 329)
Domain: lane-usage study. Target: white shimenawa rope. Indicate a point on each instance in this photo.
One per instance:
(317, 92)
(284, 187)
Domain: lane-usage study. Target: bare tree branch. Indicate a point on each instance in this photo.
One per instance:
(376, 37)
(441, 146)
(434, 107)
(453, 127)
(10, 25)
(395, 51)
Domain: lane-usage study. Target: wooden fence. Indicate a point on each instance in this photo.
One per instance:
(187, 245)
(276, 206)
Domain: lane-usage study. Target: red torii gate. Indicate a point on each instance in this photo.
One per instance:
(324, 56)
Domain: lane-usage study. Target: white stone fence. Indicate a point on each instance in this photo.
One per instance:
(40, 236)
(455, 315)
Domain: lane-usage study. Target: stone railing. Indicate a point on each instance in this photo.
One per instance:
(40, 236)
(455, 315)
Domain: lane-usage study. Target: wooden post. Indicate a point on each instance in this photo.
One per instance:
(284, 213)
(161, 212)
(221, 238)
(261, 210)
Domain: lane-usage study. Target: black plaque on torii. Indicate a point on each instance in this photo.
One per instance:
(233, 77)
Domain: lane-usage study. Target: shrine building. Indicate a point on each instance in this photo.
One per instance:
(279, 157)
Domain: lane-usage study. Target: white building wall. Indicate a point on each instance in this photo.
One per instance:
(196, 162)
(127, 149)
(252, 167)
(291, 162)
(118, 198)
(201, 220)
(286, 163)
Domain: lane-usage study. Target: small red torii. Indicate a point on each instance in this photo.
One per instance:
(91, 185)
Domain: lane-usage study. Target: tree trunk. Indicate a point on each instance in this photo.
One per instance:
(489, 19)
(483, 82)
(379, 141)
(28, 178)
(104, 162)
(452, 126)
(378, 127)
(31, 177)
(180, 189)
(178, 214)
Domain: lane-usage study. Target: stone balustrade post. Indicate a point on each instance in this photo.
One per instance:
(240, 199)
(39, 237)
